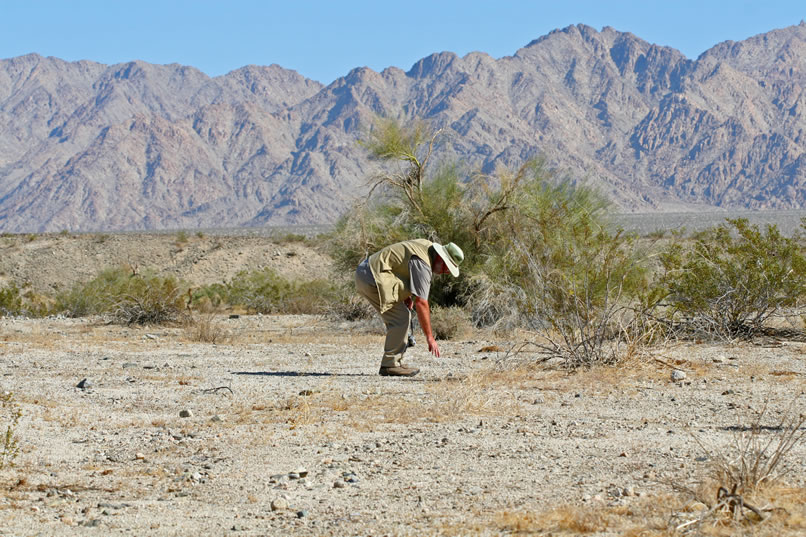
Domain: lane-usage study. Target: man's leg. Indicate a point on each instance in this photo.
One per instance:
(396, 321)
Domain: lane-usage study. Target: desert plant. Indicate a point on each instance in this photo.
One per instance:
(148, 299)
(129, 296)
(734, 278)
(10, 300)
(15, 300)
(266, 291)
(563, 271)
(11, 418)
(450, 322)
(204, 327)
(757, 458)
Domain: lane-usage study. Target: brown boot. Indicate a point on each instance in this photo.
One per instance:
(398, 371)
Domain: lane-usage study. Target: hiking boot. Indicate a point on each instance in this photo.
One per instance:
(398, 371)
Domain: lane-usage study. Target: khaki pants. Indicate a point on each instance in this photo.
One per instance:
(396, 320)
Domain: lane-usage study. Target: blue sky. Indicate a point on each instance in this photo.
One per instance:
(325, 39)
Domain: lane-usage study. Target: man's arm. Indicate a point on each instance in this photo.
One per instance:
(424, 316)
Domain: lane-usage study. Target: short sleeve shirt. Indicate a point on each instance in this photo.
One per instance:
(420, 281)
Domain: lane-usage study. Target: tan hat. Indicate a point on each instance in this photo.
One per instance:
(452, 255)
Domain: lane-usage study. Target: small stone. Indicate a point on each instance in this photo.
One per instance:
(129, 365)
(139, 457)
(678, 375)
(279, 504)
(339, 485)
(697, 506)
(84, 384)
(185, 413)
(302, 514)
(301, 471)
(217, 419)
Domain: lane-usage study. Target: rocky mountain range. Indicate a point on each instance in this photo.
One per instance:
(86, 146)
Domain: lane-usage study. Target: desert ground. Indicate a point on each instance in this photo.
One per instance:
(284, 427)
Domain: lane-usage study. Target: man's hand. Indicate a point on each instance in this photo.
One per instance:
(433, 347)
(424, 316)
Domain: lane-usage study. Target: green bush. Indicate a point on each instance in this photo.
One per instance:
(266, 291)
(129, 297)
(734, 278)
(10, 300)
(23, 301)
(562, 270)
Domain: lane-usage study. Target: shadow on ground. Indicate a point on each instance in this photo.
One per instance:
(297, 374)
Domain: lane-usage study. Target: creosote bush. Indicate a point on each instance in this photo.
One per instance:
(733, 278)
(10, 300)
(266, 291)
(128, 296)
(15, 300)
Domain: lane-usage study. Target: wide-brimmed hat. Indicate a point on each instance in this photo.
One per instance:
(452, 255)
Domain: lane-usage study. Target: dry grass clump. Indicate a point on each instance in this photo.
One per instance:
(450, 323)
(745, 479)
(205, 327)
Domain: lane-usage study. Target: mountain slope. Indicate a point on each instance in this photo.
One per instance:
(87, 146)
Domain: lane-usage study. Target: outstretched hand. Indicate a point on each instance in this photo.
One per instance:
(433, 347)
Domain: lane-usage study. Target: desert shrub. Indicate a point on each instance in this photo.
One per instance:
(129, 297)
(10, 300)
(580, 284)
(751, 466)
(149, 299)
(11, 414)
(733, 278)
(288, 237)
(266, 291)
(15, 300)
(204, 326)
(450, 322)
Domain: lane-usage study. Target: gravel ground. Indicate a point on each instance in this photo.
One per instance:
(286, 429)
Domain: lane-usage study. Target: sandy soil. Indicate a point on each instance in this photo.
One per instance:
(49, 262)
(291, 431)
(283, 427)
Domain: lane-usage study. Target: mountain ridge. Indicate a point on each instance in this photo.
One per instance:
(87, 146)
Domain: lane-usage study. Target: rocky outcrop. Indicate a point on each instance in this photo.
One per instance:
(86, 146)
